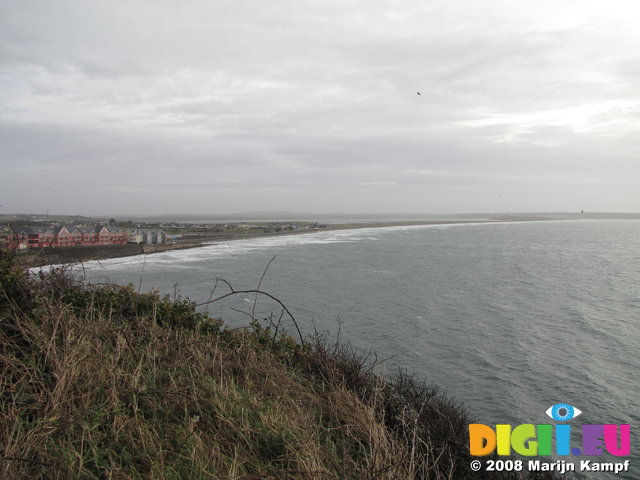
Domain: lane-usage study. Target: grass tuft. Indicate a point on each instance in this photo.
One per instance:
(101, 382)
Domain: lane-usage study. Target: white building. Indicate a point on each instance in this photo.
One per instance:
(148, 237)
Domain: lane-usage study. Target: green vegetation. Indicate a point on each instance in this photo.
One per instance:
(100, 382)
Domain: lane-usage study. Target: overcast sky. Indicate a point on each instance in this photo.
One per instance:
(187, 106)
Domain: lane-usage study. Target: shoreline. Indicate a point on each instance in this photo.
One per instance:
(72, 255)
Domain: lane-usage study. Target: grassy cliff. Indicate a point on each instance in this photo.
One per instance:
(100, 382)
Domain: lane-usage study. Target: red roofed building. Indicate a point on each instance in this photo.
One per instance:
(24, 236)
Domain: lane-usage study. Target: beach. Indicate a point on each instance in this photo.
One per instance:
(78, 254)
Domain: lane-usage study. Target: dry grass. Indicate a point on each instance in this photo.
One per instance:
(104, 383)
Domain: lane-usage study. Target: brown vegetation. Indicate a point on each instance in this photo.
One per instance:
(104, 383)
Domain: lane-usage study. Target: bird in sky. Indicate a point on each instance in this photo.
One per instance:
(419, 93)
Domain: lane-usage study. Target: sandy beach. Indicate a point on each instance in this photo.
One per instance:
(70, 255)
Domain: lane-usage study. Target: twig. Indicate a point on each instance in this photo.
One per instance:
(144, 261)
(84, 272)
(215, 285)
(242, 312)
(257, 292)
(227, 284)
(277, 325)
(255, 300)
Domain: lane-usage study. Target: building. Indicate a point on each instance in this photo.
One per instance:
(148, 237)
(107, 235)
(4, 236)
(26, 236)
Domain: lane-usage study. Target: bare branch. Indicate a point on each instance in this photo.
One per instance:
(215, 285)
(255, 300)
(257, 292)
(242, 312)
(227, 284)
(144, 261)
(277, 325)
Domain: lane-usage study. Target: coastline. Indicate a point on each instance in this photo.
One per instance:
(71, 255)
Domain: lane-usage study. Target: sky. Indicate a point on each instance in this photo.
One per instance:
(213, 107)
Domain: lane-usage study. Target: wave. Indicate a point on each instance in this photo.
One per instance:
(188, 257)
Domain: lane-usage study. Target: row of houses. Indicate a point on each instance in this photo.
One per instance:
(149, 237)
(25, 236)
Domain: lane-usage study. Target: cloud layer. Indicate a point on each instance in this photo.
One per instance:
(217, 106)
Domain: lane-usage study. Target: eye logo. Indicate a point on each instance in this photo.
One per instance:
(563, 412)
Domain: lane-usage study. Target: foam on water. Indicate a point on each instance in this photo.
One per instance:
(231, 248)
(241, 246)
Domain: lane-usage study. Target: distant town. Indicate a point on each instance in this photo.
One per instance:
(42, 239)
(28, 232)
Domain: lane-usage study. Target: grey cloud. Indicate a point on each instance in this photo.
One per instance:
(211, 106)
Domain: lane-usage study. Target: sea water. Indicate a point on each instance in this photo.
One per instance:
(509, 318)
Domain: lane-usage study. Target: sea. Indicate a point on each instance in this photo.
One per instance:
(508, 318)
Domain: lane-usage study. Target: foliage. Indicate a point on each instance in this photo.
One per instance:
(103, 382)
